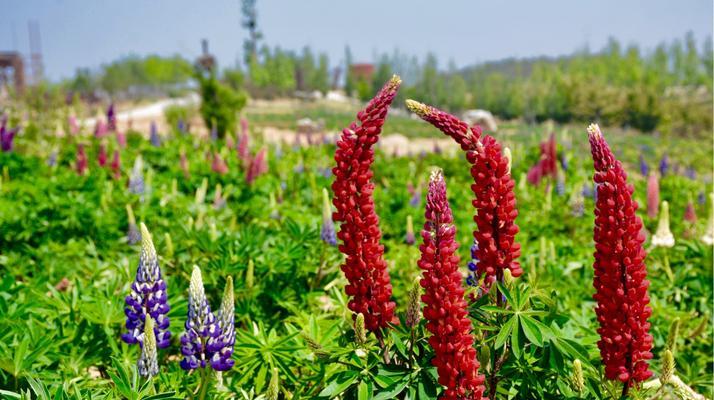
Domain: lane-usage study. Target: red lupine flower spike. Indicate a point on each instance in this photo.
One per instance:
(369, 285)
(620, 274)
(495, 201)
(445, 308)
(459, 130)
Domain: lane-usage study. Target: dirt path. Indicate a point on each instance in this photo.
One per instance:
(140, 119)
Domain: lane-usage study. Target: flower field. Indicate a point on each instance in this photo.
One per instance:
(547, 263)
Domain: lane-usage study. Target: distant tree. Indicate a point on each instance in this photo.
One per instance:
(320, 79)
(220, 103)
(250, 22)
(349, 79)
(382, 73)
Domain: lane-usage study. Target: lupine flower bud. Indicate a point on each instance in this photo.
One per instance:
(620, 273)
(201, 326)
(181, 126)
(201, 192)
(274, 386)
(644, 168)
(7, 136)
(560, 183)
(73, 125)
(360, 332)
(111, 118)
(664, 165)
(52, 159)
(316, 347)
(214, 132)
(369, 287)
(663, 236)
(672, 335)
(409, 238)
(667, 367)
(416, 197)
(243, 149)
(100, 129)
(218, 165)
(414, 306)
(547, 165)
(147, 297)
(494, 201)
(690, 214)
(578, 378)
(327, 232)
(133, 236)
(258, 166)
(154, 137)
(218, 200)
(184, 164)
(116, 165)
(121, 139)
(148, 364)
(221, 360)
(136, 178)
(249, 275)
(169, 244)
(577, 205)
(102, 156)
(708, 237)
(80, 163)
(445, 308)
(652, 196)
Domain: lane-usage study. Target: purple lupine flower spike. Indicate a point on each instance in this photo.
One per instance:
(214, 132)
(564, 161)
(201, 326)
(472, 279)
(181, 126)
(644, 168)
(223, 344)
(691, 173)
(148, 296)
(664, 165)
(154, 135)
(7, 136)
(136, 179)
(560, 183)
(327, 232)
(416, 198)
(111, 118)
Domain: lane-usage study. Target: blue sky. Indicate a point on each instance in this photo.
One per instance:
(91, 32)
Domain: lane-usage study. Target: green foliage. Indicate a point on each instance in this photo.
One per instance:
(151, 71)
(220, 104)
(291, 309)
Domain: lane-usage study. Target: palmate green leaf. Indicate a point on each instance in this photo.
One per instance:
(392, 391)
(387, 376)
(505, 331)
(516, 337)
(339, 383)
(531, 329)
(364, 390)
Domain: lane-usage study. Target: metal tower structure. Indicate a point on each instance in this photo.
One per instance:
(36, 67)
